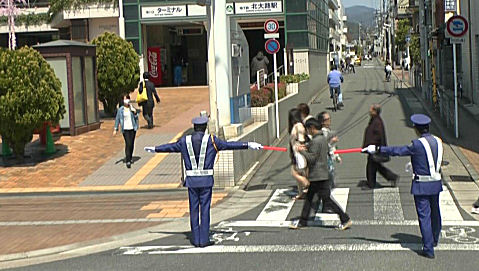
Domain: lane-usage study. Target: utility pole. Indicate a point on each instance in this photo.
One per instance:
(424, 42)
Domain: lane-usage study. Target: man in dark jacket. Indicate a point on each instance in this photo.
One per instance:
(317, 156)
(257, 63)
(149, 104)
(375, 134)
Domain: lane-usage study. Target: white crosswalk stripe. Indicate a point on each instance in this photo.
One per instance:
(387, 204)
(388, 210)
(278, 206)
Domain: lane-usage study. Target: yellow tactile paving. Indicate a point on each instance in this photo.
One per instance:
(149, 166)
(175, 208)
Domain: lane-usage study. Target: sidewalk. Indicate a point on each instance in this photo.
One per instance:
(93, 161)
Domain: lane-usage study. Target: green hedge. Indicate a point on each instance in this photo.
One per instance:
(293, 78)
(28, 19)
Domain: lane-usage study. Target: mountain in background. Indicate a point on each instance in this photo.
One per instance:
(361, 14)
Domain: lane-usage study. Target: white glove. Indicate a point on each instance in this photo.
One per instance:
(254, 146)
(150, 149)
(409, 167)
(371, 149)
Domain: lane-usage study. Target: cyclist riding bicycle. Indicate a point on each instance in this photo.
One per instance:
(335, 78)
(388, 70)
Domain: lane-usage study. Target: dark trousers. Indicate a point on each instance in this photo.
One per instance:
(200, 200)
(148, 114)
(129, 136)
(429, 215)
(323, 190)
(373, 167)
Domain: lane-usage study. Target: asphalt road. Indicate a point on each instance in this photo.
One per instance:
(385, 234)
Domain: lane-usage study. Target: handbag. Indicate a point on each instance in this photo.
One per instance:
(143, 96)
(380, 158)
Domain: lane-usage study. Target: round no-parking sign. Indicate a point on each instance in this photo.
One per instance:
(457, 26)
(271, 46)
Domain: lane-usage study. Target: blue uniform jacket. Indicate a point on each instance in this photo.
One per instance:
(419, 163)
(196, 137)
(335, 78)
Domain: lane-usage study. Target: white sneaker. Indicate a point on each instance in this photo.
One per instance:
(345, 226)
(475, 210)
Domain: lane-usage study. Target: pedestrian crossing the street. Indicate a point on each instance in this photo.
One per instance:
(388, 209)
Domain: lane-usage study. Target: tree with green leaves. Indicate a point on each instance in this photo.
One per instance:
(402, 31)
(118, 69)
(30, 94)
(415, 49)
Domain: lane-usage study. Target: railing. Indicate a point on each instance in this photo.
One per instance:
(270, 77)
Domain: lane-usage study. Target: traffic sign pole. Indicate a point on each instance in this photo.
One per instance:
(276, 93)
(456, 118)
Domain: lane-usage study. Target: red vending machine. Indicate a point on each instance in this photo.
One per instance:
(155, 65)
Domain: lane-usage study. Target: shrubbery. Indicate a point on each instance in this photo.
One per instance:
(293, 78)
(118, 69)
(265, 95)
(30, 94)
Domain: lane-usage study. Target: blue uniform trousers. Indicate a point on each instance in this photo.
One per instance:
(200, 201)
(427, 207)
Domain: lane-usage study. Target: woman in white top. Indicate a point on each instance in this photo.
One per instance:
(298, 136)
(127, 118)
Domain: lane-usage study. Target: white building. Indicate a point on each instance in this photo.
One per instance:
(470, 52)
(337, 31)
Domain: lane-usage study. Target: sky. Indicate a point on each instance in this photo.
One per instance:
(368, 3)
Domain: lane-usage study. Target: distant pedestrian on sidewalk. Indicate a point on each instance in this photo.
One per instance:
(426, 157)
(149, 104)
(316, 154)
(299, 165)
(127, 118)
(199, 151)
(375, 134)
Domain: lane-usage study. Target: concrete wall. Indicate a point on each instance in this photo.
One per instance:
(99, 26)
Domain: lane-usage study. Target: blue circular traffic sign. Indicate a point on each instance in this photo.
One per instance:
(457, 26)
(272, 46)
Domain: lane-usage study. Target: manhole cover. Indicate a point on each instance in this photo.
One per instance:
(461, 178)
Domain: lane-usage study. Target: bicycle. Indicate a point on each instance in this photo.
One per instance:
(335, 98)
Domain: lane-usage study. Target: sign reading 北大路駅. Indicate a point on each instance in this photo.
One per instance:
(258, 7)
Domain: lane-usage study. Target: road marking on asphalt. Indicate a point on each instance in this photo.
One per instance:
(278, 206)
(150, 165)
(448, 207)
(333, 222)
(387, 204)
(340, 195)
(81, 221)
(142, 187)
(154, 250)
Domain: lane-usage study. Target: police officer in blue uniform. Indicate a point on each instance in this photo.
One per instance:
(426, 158)
(199, 151)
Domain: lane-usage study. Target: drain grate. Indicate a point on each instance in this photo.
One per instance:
(461, 178)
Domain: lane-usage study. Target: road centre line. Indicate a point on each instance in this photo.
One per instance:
(150, 165)
(152, 250)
